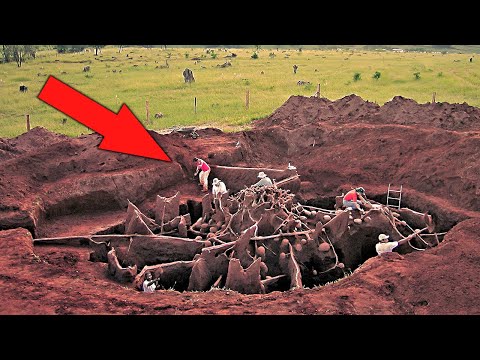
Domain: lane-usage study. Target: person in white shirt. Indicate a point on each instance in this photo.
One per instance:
(264, 180)
(384, 245)
(218, 188)
(149, 285)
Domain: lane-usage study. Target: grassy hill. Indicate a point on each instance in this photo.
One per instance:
(460, 49)
(115, 79)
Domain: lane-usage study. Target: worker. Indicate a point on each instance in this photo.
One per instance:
(218, 188)
(204, 170)
(384, 245)
(149, 285)
(354, 198)
(264, 180)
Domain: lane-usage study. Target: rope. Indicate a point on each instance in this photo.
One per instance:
(268, 249)
(417, 235)
(320, 209)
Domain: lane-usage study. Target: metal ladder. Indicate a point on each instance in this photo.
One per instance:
(395, 199)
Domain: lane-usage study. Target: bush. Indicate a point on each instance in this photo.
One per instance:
(417, 75)
(254, 56)
(213, 55)
(357, 76)
(186, 55)
(62, 49)
(377, 75)
(440, 74)
(271, 55)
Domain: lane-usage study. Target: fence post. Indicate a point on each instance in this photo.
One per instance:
(148, 111)
(318, 91)
(195, 104)
(28, 122)
(433, 97)
(247, 99)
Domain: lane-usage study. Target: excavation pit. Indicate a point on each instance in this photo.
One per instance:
(257, 240)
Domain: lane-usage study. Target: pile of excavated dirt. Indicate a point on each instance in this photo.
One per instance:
(52, 185)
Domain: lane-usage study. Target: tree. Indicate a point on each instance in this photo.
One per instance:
(31, 51)
(98, 47)
(19, 53)
(7, 53)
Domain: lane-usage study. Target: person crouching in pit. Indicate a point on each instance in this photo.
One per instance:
(354, 198)
(204, 170)
(219, 188)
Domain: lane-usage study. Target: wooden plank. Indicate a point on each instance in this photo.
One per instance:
(82, 239)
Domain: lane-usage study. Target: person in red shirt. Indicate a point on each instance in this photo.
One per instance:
(204, 170)
(354, 198)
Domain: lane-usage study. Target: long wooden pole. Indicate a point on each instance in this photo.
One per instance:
(148, 111)
(28, 122)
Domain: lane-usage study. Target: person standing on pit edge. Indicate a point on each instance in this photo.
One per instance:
(204, 170)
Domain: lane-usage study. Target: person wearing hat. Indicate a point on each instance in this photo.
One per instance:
(384, 245)
(218, 188)
(204, 170)
(264, 180)
(354, 198)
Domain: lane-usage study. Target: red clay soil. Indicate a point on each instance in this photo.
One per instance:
(52, 185)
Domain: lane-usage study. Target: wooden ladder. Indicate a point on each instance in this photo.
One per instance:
(394, 197)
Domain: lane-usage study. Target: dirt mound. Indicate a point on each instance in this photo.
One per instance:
(16, 243)
(352, 109)
(36, 138)
(398, 143)
(454, 117)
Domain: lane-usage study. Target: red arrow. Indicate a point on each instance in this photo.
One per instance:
(121, 132)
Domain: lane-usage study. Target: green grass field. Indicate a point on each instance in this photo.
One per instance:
(221, 92)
